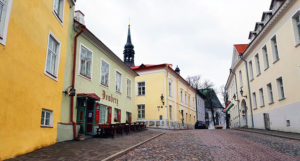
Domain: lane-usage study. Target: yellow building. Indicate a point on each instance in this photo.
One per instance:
(163, 98)
(264, 80)
(33, 44)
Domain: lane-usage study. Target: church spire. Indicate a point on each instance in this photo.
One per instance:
(128, 50)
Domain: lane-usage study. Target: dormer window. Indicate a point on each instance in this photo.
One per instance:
(275, 4)
(252, 35)
(258, 27)
(266, 17)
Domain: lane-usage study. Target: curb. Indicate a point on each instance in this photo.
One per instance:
(280, 136)
(116, 155)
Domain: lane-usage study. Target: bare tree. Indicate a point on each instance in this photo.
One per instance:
(223, 93)
(194, 81)
(207, 84)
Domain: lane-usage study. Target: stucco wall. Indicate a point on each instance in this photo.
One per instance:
(25, 89)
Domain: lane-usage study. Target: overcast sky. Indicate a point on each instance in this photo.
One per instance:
(196, 35)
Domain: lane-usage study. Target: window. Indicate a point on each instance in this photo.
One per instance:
(58, 9)
(296, 24)
(47, 118)
(280, 88)
(189, 100)
(128, 88)
(141, 111)
(117, 115)
(257, 65)
(270, 93)
(185, 98)
(251, 70)
(261, 96)
(241, 78)
(103, 114)
(275, 49)
(52, 59)
(118, 82)
(170, 88)
(5, 7)
(141, 88)
(254, 100)
(85, 62)
(181, 95)
(170, 108)
(265, 56)
(104, 73)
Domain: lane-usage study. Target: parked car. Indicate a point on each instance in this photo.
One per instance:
(200, 125)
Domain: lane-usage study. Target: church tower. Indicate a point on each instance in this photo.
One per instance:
(128, 51)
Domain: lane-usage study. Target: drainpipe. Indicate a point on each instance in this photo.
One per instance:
(73, 80)
(249, 91)
(237, 96)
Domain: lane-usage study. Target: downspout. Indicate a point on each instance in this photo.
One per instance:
(73, 80)
(237, 96)
(249, 91)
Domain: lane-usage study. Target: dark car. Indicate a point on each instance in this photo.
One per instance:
(200, 125)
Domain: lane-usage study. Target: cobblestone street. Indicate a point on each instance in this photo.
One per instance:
(218, 145)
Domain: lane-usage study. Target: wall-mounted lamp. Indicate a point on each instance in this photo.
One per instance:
(162, 99)
(70, 91)
(234, 97)
(241, 91)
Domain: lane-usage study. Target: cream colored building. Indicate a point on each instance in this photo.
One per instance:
(267, 71)
(163, 98)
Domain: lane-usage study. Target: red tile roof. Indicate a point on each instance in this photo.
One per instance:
(241, 48)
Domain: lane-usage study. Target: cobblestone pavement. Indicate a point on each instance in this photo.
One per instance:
(218, 145)
(93, 149)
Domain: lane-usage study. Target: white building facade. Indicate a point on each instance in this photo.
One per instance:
(267, 72)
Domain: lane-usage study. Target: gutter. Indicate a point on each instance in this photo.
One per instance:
(73, 80)
(249, 91)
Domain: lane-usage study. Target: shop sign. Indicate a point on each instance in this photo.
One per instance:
(109, 98)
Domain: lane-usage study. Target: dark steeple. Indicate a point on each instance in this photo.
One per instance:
(128, 51)
(177, 70)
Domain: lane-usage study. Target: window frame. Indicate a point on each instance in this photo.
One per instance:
(43, 124)
(91, 66)
(251, 70)
(101, 73)
(51, 75)
(241, 78)
(137, 84)
(116, 81)
(62, 10)
(6, 11)
(280, 88)
(296, 27)
(170, 112)
(143, 111)
(270, 93)
(128, 88)
(254, 101)
(257, 62)
(265, 57)
(275, 51)
(170, 88)
(261, 97)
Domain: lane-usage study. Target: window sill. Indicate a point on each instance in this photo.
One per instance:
(271, 103)
(258, 74)
(46, 126)
(51, 76)
(251, 79)
(262, 106)
(283, 98)
(255, 108)
(276, 61)
(86, 77)
(266, 68)
(297, 44)
(103, 85)
(58, 19)
(128, 97)
(118, 92)
(141, 95)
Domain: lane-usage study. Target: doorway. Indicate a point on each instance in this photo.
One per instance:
(86, 115)
(244, 120)
(267, 121)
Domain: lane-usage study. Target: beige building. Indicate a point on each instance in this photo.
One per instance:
(264, 80)
(163, 98)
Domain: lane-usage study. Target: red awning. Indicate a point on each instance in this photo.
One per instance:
(91, 95)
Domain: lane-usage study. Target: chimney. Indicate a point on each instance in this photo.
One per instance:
(79, 16)
(177, 70)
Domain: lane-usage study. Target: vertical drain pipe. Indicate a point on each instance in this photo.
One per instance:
(73, 79)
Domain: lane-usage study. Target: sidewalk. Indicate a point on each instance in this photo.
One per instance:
(287, 135)
(93, 149)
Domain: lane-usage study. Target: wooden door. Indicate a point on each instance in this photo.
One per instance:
(267, 121)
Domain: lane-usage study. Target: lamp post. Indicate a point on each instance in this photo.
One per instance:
(241, 92)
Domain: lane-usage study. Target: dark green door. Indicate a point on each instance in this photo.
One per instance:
(81, 116)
